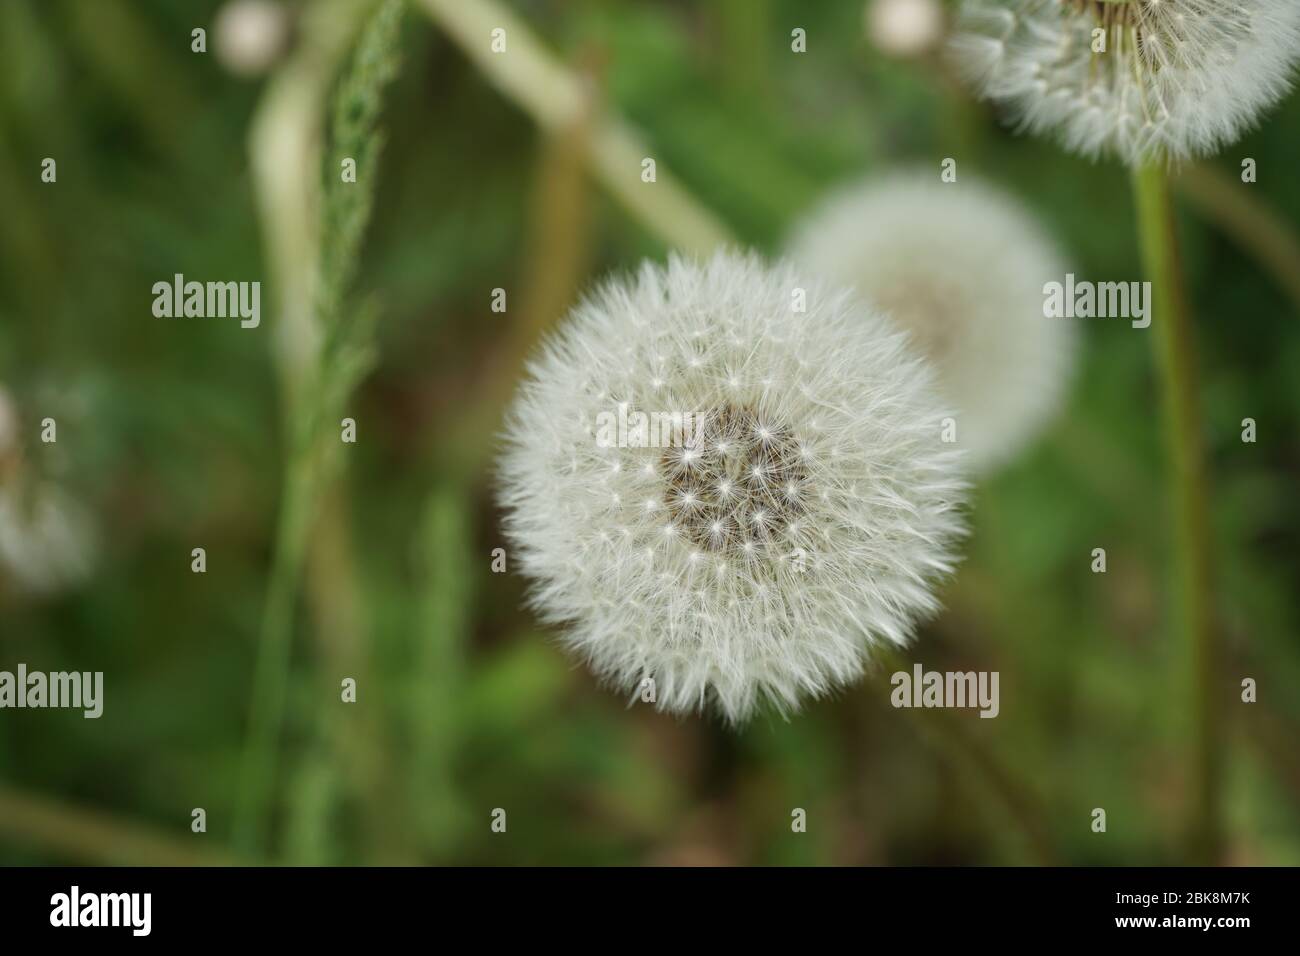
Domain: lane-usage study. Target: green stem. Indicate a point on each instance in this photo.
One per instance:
(1193, 600)
(285, 158)
(271, 677)
(435, 692)
(556, 97)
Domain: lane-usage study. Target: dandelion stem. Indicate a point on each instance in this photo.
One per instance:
(1193, 601)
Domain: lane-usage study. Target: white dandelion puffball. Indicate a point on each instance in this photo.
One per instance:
(1139, 79)
(728, 483)
(961, 267)
(250, 35)
(904, 27)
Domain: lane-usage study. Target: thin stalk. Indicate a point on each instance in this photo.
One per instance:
(434, 695)
(556, 97)
(322, 353)
(271, 676)
(1193, 601)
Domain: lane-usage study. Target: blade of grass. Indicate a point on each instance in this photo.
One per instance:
(434, 693)
(329, 359)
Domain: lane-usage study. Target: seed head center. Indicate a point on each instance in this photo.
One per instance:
(735, 486)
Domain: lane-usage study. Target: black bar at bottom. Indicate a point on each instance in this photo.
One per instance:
(334, 906)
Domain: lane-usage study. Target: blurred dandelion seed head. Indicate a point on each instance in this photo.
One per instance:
(961, 267)
(904, 28)
(1141, 80)
(807, 519)
(46, 539)
(250, 35)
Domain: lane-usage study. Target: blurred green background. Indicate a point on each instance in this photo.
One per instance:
(171, 437)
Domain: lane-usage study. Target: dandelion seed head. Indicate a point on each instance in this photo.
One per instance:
(1177, 78)
(903, 28)
(250, 35)
(47, 541)
(961, 268)
(700, 594)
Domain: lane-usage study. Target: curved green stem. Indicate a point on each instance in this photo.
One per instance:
(1175, 360)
